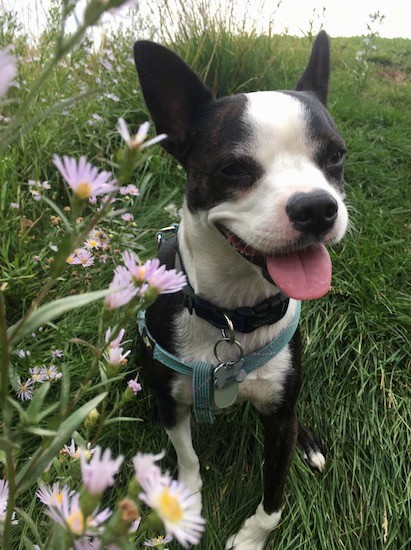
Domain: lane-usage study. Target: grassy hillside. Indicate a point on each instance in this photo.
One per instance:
(356, 359)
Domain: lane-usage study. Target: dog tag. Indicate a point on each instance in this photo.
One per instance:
(224, 397)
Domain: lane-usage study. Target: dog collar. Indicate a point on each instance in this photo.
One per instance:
(244, 319)
(204, 375)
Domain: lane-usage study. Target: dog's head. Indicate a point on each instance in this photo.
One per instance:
(264, 169)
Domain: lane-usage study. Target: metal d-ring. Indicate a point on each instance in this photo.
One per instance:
(232, 362)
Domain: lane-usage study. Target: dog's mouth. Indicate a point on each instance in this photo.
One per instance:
(302, 274)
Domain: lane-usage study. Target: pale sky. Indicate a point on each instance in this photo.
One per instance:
(340, 18)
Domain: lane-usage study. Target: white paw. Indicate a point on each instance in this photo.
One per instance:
(255, 531)
(192, 479)
(316, 460)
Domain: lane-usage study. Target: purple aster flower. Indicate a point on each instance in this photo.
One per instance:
(130, 189)
(54, 496)
(98, 474)
(51, 372)
(25, 389)
(165, 281)
(69, 515)
(114, 343)
(158, 541)
(146, 470)
(123, 289)
(7, 71)
(57, 353)
(84, 257)
(84, 178)
(127, 217)
(116, 357)
(138, 141)
(134, 386)
(14, 205)
(36, 375)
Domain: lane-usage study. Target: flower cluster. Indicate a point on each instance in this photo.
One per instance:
(78, 512)
(37, 188)
(136, 279)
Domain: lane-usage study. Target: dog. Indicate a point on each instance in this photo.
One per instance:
(264, 196)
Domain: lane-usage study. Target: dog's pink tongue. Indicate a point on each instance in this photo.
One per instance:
(302, 275)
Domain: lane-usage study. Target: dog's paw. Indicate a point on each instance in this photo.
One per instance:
(312, 448)
(315, 459)
(255, 531)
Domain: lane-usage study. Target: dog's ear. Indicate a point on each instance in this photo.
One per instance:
(174, 94)
(316, 76)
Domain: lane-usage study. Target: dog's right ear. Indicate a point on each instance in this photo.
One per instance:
(174, 94)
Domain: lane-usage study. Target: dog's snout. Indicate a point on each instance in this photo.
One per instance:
(313, 212)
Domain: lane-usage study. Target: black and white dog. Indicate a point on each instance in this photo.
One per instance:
(264, 195)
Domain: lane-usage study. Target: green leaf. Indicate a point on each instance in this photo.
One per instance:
(122, 419)
(51, 311)
(34, 467)
(40, 431)
(37, 402)
(30, 523)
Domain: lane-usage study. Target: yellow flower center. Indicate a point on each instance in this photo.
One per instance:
(83, 190)
(70, 259)
(170, 507)
(76, 522)
(59, 498)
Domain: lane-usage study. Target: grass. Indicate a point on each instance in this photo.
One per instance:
(356, 359)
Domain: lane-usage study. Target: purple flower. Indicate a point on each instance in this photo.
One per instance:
(14, 205)
(115, 342)
(36, 375)
(50, 373)
(57, 353)
(130, 189)
(123, 289)
(165, 281)
(84, 257)
(25, 389)
(127, 217)
(98, 474)
(138, 141)
(134, 386)
(84, 178)
(116, 357)
(68, 514)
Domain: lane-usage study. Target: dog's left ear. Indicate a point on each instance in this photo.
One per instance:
(174, 94)
(316, 76)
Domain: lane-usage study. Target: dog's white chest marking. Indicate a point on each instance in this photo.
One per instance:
(195, 340)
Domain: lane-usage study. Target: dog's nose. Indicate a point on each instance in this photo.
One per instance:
(313, 212)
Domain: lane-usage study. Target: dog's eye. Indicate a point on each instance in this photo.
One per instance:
(335, 158)
(234, 171)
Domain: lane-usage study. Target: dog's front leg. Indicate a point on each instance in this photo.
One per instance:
(187, 459)
(280, 435)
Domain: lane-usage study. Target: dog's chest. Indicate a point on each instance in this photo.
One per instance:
(195, 340)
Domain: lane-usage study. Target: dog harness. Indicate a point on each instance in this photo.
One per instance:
(216, 385)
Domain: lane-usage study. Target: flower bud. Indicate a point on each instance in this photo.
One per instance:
(91, 419)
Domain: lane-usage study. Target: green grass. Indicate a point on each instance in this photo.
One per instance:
(356, 358)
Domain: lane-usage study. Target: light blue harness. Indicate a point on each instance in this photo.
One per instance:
(204, 375)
